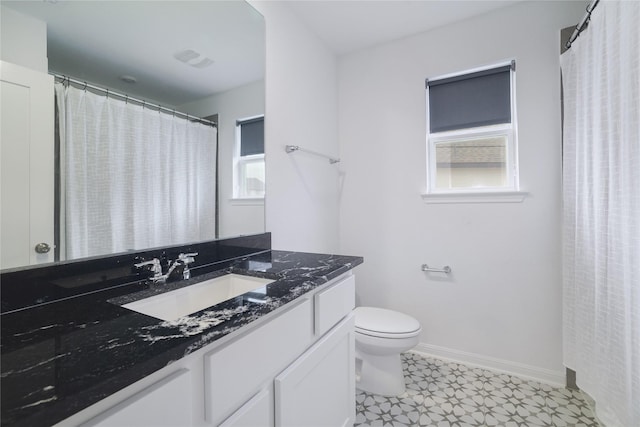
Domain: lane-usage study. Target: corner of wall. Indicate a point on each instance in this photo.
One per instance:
(301, 109)
(23, 40)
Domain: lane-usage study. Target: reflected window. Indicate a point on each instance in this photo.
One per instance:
(249, 165)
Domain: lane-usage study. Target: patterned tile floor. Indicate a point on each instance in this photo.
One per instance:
(446, 394)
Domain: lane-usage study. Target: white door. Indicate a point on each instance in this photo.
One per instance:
(318, 389)
(26, 166)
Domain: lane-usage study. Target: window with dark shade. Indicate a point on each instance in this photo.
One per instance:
(248, 161)
(477, 99)
(472, 141)
(251, 136)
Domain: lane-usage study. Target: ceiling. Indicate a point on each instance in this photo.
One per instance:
(346, 26)
(99, 41)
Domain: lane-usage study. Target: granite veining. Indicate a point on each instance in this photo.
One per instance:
(61, 357)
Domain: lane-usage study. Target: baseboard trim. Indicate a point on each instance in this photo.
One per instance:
(547, 376)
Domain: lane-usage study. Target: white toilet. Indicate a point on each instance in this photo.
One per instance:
(381, 335)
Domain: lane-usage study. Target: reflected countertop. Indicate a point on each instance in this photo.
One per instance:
(59, 358)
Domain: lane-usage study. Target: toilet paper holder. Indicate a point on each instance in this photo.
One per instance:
(446, 269)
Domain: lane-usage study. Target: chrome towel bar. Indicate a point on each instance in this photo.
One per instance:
(292, 148)
(446, 269)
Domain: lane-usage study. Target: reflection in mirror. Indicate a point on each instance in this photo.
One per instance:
(202, 58)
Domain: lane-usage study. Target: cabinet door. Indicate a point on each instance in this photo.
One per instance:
(26, 165)
(257, 412)
(318, 389)
(167, 403)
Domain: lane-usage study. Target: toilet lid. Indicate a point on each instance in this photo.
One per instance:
(380, 321)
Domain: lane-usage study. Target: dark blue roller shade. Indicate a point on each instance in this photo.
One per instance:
(477, 99)
(251, 136)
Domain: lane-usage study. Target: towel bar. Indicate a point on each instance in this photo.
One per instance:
(292, 148)
(446, 269)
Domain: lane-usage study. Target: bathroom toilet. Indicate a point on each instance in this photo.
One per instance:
(381, 335)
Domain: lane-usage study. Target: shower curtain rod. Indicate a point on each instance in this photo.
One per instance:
(582, 25)
(127, 98)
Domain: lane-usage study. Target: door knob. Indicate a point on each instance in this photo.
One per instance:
(42, 248)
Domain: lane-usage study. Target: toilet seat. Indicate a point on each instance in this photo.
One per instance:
(383, 323)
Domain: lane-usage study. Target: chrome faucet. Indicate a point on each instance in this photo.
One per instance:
(152, 265)
(185, 260)
(155, 267)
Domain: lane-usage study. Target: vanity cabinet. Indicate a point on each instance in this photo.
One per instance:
(318, 389)
(293, 367)
(234, 373)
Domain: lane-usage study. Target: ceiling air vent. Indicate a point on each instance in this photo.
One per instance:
(193, 58)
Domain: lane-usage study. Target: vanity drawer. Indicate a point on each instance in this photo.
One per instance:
(234, 373)
(334, 303)
(167, 402)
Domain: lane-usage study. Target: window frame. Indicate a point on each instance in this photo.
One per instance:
(240, 162)
(512, 187)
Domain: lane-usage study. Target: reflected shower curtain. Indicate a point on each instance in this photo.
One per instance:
(132, 177)
(601, 81)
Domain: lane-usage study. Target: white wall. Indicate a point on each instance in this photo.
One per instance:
(501, 306)
(236, 217)
(23, 40)
(301, 105)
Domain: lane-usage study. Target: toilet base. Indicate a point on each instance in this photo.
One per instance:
(380, 375)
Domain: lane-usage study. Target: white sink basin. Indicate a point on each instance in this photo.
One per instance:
(190, 299)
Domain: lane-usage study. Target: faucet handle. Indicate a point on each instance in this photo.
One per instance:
(154, 266)
(187, 258)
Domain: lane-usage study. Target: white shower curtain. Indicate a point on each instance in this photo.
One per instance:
(132, 177)
(601, 81)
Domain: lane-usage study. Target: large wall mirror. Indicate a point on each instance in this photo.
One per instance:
(195, 59)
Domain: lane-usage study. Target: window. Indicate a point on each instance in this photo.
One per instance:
(472, 131)
(249, 175)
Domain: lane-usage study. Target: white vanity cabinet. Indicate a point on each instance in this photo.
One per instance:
(234, 373)
(318, 389)
(293, 367)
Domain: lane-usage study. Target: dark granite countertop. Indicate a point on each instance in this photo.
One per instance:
(61, 357)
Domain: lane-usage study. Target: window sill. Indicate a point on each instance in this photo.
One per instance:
(476, 197)
(247, 201)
